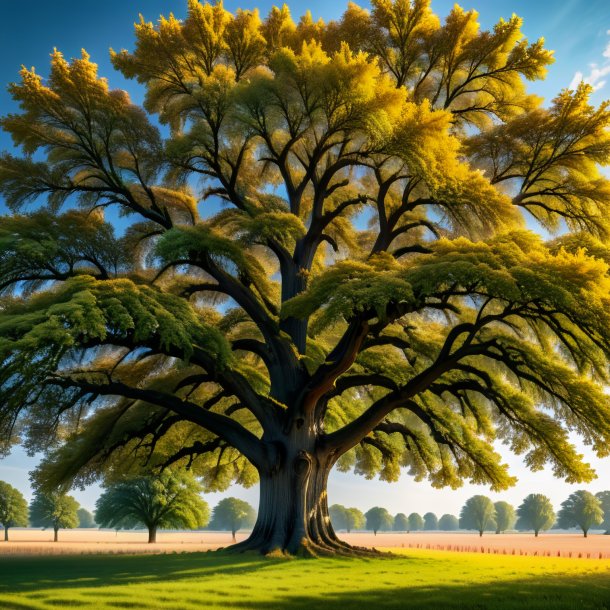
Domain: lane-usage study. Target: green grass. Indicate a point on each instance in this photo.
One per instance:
(210, 580)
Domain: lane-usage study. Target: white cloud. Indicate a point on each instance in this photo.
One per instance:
(596, 77)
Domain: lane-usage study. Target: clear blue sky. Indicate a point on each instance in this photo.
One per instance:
(578, 31)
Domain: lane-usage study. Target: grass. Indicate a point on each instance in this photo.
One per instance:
(417, 579)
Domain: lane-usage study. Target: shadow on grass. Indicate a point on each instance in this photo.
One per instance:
(30, 573)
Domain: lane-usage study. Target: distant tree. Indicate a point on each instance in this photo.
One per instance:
(582, 509)
(478, 514)
(378, 519)
(355, 519)
(416, 523)
(448, 523)
(535, 513)
(85, 518)
(430, 522)
(338, 517)
(54, 509)
(505, 516)
(170, 500)
(13, 508)
(401, 523)
(232, 514)
(604, 498)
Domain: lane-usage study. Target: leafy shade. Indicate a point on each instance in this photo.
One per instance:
(170, 500)
(56, 510)
(323, 261)
(535, 513)
(13, 508)
(478, 514)
(582, 509)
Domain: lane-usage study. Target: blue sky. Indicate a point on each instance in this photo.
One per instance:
(578, 32)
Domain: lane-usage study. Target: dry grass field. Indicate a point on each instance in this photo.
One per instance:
(93, 541)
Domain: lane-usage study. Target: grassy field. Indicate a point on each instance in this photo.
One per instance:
(417, 579)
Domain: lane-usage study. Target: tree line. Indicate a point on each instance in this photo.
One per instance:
(170, 500)
(581, 509)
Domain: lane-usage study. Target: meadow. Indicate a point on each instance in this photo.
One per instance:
(414, 579)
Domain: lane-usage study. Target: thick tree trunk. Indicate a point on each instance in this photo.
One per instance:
(293, 510)
(536, 534)
(5, 534)
(152, 534)
(585, 533)
(480, 534)
(56, 532)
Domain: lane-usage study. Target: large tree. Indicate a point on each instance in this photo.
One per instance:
(13, 508)
(323, 259)
(401, 523)
(478, 513)
(535, 513)
(232, 514)
(448, 523)
(170, 500)
(54, 509)
(581, 509)
(416, 522)
(430, 521)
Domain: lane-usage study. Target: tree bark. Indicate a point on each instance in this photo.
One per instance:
(55, 534)
(5, 533)
(233, 532)
(536, 534)
(152, 534)
(293, 513)
(585, 533)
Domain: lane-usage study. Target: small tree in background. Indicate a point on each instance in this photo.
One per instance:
(338, 517)
(478, 514)
(170, 500)
(582, 509)
(85, 518)
(604, 498)
(448, 523)
(378, 519)
(232, 514)
(505, 516)
(54, 509)
(430, 522)
(355, 519)
(416, 523)
(13, 508)
(535, 513)
(401, 523)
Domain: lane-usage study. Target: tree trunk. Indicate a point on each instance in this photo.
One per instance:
(585, 533)
(480, 534)
(55, 536)
(5, 533)
(536, 534)
(233, 532)
(293, 509)
(152, 534)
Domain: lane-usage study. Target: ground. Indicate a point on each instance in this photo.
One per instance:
(416, 579)
(31, 541)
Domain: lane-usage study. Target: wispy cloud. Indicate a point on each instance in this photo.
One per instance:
(598, 73)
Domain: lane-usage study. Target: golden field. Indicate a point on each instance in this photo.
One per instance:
(94, 541)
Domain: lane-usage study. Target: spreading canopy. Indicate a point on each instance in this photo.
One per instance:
(170, 500)
(56, 510)
(13, 508)
(478, 513)
(582, 509)
(325, 260)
